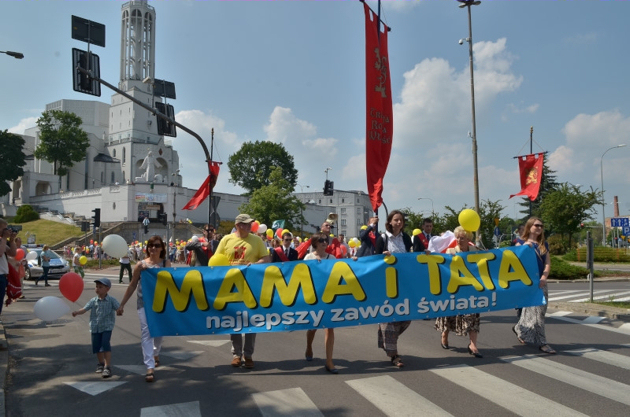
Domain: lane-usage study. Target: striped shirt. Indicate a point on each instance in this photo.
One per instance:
(102, 313)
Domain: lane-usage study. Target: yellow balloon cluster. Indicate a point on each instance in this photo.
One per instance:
(218, 259)
(469, 220)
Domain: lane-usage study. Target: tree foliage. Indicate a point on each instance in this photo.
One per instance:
(12, 159)
(251, 166)
(564, 209)
(275, 202)
(62, 141)
(25, 213)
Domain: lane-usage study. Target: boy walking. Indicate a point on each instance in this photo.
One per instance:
(102, 318)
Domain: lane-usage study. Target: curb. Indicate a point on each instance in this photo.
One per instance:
(615, 313)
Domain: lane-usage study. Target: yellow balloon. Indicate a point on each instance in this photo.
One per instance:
(351, 243)
(331, 235)
(83, 260)
(469, 220)
(269, 233)
(285, 231)
(218, 259)
(416, 232)
(363, 227)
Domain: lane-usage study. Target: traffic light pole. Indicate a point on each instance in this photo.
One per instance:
(163, 117)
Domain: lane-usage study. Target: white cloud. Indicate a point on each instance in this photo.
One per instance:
(23, 125)
(324, 148)
(581, 39)
(283, 126)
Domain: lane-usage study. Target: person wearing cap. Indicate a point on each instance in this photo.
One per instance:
(243, 248)
(102, 319)
(151, 346)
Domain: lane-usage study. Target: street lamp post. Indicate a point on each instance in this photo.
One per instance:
(302, 225)
(603, 198)
(427, 198)
(16, 55)
(468, 4)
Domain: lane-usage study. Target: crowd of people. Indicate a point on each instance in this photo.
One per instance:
(242, 247)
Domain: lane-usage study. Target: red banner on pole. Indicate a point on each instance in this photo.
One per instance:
(204, 191)
(531, 171)
(379, 116)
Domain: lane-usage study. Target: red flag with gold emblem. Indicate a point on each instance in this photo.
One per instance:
(379, 117)
(531, 170)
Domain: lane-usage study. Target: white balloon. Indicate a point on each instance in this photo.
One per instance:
(31, 256)
(115, 246)
(50, 308)
(262, 228)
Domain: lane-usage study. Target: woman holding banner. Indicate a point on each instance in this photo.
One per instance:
(531, 325)
(394, 240)
(319, 244)
(467, 324)
(156, 258)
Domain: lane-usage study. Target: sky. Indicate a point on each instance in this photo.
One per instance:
(293, 72)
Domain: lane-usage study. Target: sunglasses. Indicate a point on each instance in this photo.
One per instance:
(287, 240)
(322, 240)
(155, 245)
(539, 225)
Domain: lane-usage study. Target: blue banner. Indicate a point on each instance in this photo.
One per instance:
(304, 295)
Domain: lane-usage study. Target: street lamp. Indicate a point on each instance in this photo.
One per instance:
(603, 199)
(468, 4)
(16, 55)
(301, 225)
(427, 198)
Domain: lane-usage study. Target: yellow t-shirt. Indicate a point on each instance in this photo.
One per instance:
(242, 251)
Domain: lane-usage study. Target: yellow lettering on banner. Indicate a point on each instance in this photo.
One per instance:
(433, 262)
(234, 279)
(334, 287)
(192, 283)
(461, 276)
(511, 269)
(274, 280)
(481, 259)
(391, 282)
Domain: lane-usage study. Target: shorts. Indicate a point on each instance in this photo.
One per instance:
(100, 342)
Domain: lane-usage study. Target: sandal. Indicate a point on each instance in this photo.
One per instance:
(522, 342)
(157, 361)
(149, 377)
(397, 361)
(547, 349)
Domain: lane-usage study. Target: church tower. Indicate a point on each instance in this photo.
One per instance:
(133, 129)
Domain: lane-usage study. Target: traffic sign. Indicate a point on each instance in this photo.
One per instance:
(88, 31)
(497, 231)
(619, 222)
(626, 230)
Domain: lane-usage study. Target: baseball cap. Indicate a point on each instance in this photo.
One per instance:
(106, 282)
(243, 218)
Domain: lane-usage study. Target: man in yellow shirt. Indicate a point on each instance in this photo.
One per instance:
(243, 248)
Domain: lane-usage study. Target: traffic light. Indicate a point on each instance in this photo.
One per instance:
(581, 225)
(81, 81)
(329, 186)
(166, 128)
(97, 217)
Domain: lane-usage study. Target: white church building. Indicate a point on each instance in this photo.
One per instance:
(131, 171)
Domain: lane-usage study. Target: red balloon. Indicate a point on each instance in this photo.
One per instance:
(71, 286)
(19, 254)
(255, 226)
(279, 233)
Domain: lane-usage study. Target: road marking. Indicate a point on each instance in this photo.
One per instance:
(581, 294)
(593, 319)
(134, 369)
(286, 402)
(610, 358)
(394, 398)
(623, 329)
(190, 409)
(590, 382)
(559, 314)
(602, 297)
(181, 354)
(509, 396)
(94, 388)
(213, 343)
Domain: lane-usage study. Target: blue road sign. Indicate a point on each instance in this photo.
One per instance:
(626, 231)
(497, 231)
(619, 222)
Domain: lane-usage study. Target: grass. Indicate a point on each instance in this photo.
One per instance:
(611, 303)
(47, 231)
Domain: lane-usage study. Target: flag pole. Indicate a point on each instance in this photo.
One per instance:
(210, 185)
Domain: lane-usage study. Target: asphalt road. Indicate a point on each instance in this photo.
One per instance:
(52, 369)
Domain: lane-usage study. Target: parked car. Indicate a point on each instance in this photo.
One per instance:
(58, 266)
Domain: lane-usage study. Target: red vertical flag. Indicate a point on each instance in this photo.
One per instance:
(531, 171)
(379, 116)
(204, 191)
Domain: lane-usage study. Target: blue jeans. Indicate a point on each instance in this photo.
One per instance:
(44, 275)
(3, 290)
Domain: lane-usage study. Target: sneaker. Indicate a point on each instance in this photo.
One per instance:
(99, 368)
(249, 363)
(236, 362)
(47, 285)
(107, 372)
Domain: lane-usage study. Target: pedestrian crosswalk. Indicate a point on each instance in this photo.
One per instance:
(581, 296)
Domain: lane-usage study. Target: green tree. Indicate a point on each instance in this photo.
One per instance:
(62, 141)
(12, 159)
(251, 166)
(275, 202)
(565, 208)
(488, 211)
(548, 184)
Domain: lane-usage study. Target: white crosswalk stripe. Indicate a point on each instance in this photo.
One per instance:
(519, 401)
(581, 294)
(609, 358)
(601, 297)
(394, 398)
(287, 402)
(572, 376)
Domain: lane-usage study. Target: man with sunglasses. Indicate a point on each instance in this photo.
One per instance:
(284, 253)
(243, 248)
(334, 248)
